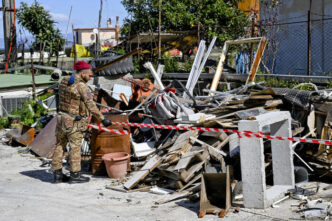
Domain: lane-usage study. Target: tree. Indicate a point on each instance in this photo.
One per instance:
(40, 24)
(219, 18)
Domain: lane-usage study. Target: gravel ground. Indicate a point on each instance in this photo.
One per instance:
(27, 193)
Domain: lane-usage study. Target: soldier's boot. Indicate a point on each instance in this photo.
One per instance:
(60, 177)
(75, 177)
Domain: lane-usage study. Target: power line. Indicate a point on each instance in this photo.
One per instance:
(296, 22)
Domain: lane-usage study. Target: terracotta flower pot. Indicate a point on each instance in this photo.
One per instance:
(116, 164)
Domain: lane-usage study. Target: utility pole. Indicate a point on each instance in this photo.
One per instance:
(9, 28)
(159, 36)
(199, 22)
(33, 76)
(99, 24)
(253, 21)
(309, 41)
(74, 41)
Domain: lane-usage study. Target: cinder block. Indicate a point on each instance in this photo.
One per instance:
(252, 160)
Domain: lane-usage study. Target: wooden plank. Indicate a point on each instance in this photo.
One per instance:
(191, 182)
(225, 116)
(220, 146)
(209, 146)
(186, 175)
(326, 135)
(216, 155)
(227, 125)
(142, 173)
(260, 97)
(244, 41)
(220, 136)
(235, 107)
(250, 112)
(236, 102)
(273, 103)
(182, 140)
(203, 156)
(220, 67)
(142, 189)
(257, 61)
(184, 161)
(168, 173)
(174, 156)
(311, 120)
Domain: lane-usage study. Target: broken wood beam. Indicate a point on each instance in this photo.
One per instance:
(208, 146)
(143, 172)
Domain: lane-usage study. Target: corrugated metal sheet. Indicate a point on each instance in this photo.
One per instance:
(20, 80)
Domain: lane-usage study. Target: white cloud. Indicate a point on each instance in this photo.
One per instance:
(59, 17)
(46, 7)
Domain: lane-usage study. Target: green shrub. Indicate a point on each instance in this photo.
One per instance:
(4, 122)
(329, 84)
(171, 64)
(29, 115)
(187, 66)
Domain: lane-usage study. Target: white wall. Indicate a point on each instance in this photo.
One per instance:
(86, 37)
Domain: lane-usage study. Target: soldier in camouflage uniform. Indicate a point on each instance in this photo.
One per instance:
(75, 105)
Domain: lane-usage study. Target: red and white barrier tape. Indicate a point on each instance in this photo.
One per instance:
(106, 109)
(240, 133)
(249, 134)
(114, 131)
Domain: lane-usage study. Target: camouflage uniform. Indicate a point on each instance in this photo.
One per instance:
(74, 100)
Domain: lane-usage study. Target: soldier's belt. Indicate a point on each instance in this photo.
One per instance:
(76, 117)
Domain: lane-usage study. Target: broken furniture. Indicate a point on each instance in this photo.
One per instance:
(261, 47)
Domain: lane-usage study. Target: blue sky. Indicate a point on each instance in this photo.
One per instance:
(84, 14)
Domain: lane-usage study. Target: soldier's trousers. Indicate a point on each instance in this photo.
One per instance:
(74, 137)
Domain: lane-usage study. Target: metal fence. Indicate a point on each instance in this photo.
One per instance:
(295, 48)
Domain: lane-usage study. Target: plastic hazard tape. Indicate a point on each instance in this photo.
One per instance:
(106, 109)
(249, 134)
(114, 131)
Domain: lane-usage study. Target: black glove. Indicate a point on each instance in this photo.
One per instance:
(106, 122)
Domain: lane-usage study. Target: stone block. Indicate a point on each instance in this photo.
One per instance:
(252, 160)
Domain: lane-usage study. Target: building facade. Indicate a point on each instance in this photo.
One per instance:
(108, 36)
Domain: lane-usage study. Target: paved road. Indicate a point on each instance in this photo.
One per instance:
(27, 193)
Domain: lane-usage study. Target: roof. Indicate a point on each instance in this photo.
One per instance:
(91, 29)
(150, 37)
(23, 80)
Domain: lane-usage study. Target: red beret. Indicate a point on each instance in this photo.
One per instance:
(81, 65)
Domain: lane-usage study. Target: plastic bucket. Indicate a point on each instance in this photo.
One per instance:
(116, 164)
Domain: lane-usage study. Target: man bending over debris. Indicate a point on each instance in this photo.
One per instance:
(75, 105)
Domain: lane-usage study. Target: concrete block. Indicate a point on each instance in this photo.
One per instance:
(252, 160)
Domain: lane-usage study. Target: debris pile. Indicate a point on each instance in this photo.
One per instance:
(184, 142)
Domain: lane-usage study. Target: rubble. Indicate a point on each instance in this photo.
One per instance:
(212, 143)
